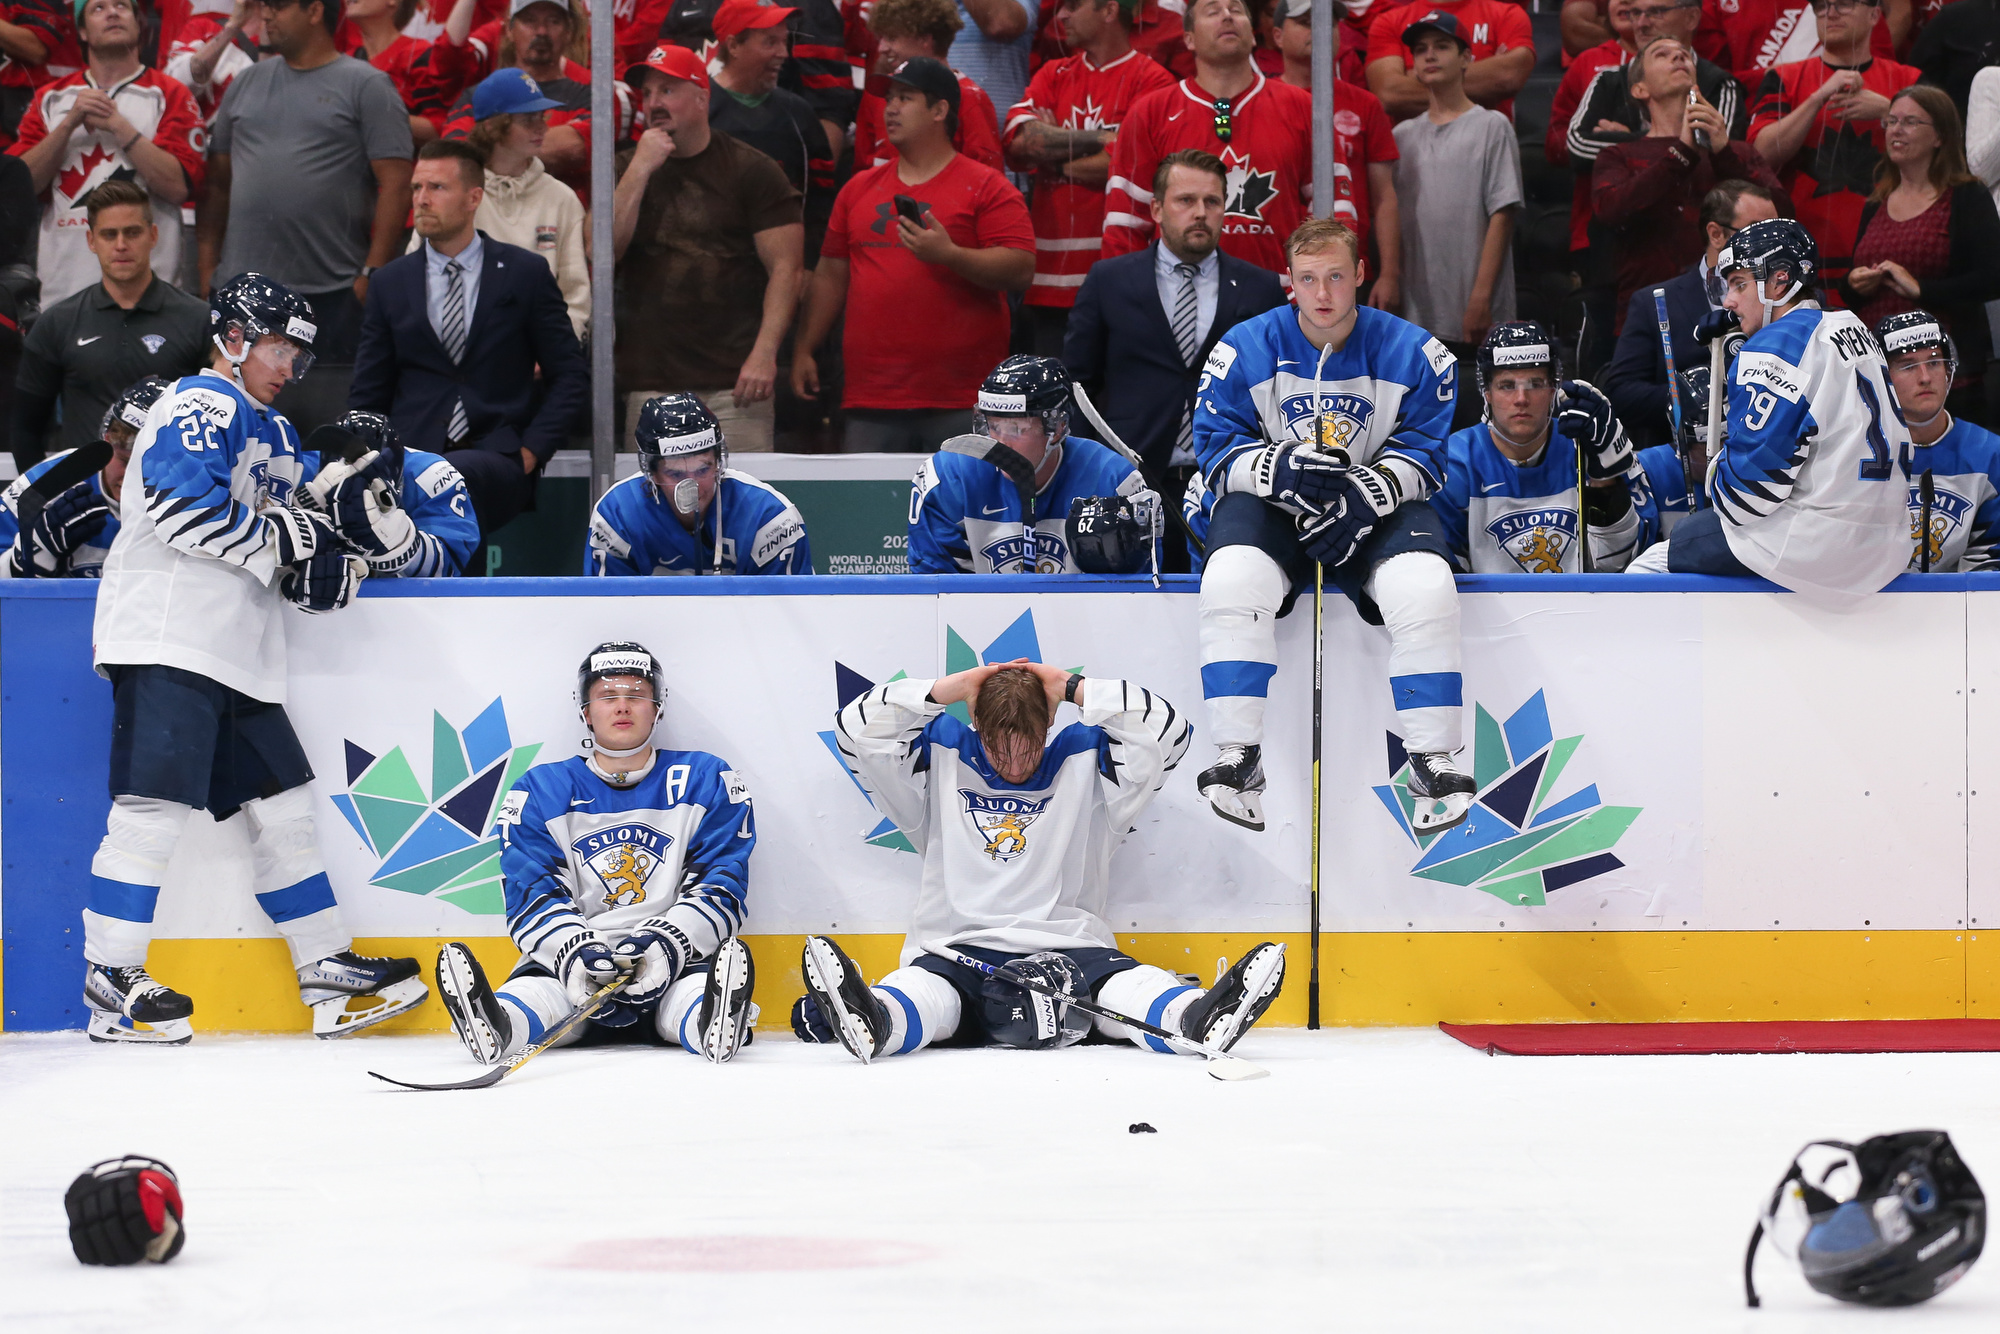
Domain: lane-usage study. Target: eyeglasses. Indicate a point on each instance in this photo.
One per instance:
(1898, 122)
(1222, 119)
(1654, 13)
(1837, 6)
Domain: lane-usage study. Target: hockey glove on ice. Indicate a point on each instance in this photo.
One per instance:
(583, 964)
(1716, 324)
(657, 953)
(1585, 415)
(125, 1210)
(1299, 476)
(68, 522)
(1369, 495)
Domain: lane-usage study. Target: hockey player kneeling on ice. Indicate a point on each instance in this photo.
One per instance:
(1807, 489)
(190, 631)
(974, 503)
(686, 511)
(74, 531)
(1016, 829)
(1512, 483)
(1321, 430)
(629, 860)
(404, 511)
(1954, 470)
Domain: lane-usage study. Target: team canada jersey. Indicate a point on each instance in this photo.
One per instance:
(161, 110)
(1809, 480)
(1503, 517)
(178, 62)
(578, 853)
(191, 581)
(440, 508)
(965, 515)
(1074, 94)
(1386, 397)
(1749, 37)
(1017, 867)
(1269, 156)
(1964, 464)
(634, 530)
(87, 561)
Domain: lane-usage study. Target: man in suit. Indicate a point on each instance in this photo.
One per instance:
(453, 334)
(1144, 323)
(1636, 380)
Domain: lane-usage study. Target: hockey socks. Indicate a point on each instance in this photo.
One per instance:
(1241, 590)
(1419, 603)
(140, 835)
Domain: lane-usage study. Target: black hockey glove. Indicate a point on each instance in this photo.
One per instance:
(1300, 476)
(1716, 324)
(1370, 494)
(43, 549)
(808, 1024)
(125, 1210)
(324, 581)
(1585, 415)
(657, 953)
(365, 514)
(296, 534)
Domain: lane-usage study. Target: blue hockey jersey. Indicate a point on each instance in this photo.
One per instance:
(634, 530)
(578, 853)
(965, 515)
(1964, 464)
(1386, 397)
(435, 498)
(1666, 494)
(87, 561)
(1503, 517)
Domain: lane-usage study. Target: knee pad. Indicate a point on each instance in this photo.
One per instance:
(281, 837)
(140, 835)
(673, 1017)
(1152, 994)
(1242, 581)
(1414, 589)
(923, 1008)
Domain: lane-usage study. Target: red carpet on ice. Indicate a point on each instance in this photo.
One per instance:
(1844, 1035)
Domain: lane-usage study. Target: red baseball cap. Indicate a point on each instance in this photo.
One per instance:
(735, 16)
(675, 62)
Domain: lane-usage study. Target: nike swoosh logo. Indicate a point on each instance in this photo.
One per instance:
(582, 801)
(1283, 362)
(1001, 510)
(1496, 486)
(1175, 116)
(86, 342)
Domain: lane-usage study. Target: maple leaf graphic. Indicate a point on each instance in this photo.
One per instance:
(73, 181)
(1844, 161)
(1249, 191)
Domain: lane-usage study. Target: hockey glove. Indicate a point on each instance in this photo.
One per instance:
(1716, 324)
(583, 964)
(1370, 495)
(657, 953)
(324, 582)
(1585, 415)
(365, 514)
(808, 1024)
(1299, 476)
(125, 1210)
(43, 549)
(296, 534)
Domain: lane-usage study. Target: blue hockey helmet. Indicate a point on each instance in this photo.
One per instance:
(1017, 1017)
(1773, 245)
(129, 409)
(1517, 343)
(1914, 329)
(1026, 386)
(1111, 534)
(258, 308)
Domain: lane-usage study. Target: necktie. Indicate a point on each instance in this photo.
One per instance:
(454, 341)
(1186, 334)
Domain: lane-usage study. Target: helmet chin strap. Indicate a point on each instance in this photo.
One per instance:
(235, 359)
(623, 779)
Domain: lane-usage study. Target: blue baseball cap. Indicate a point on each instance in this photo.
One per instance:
(508, 90)
(1435, 21)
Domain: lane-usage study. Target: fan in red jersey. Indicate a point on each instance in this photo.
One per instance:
(1750, 37)
(373, 30)
(909, 30)
(203, 44)
(1496, 32)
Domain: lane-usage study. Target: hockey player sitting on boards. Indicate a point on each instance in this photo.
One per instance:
(75, 529)
(632, 860)
(1016, 829)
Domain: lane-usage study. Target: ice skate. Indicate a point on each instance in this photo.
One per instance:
(127, 1005)
(1234, 785)
(1442, 792)
(857, 1017)
(726, 1014)
(476, 1013)
(1224, 1013)
(348, 992)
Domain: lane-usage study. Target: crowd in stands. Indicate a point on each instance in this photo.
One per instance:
(832, 220)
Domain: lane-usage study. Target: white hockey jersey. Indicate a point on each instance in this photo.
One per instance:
(1012, 866)
(1809, 480)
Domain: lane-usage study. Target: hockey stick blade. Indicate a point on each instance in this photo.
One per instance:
(80, 464)
(493, 1076)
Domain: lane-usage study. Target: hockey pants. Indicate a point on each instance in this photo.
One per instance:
(924, 1008)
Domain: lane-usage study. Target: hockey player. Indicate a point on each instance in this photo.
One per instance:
(212, 543)
(1016, 829)
(1509, 500)
(403, 511)
(967, 516)
(686, 511)
(1961, 461)
(76, 528)
(633, 860)
(1321, 429)
(1807, 488)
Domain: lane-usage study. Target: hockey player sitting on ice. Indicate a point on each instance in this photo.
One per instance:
(404, 511)
(969, 502)
(76, 528)
(629, 861)
(1016, 829)
(1321, 430)
(1962, 461)
(191, 633)
(1807, 489)
(1511, 487)
(686, 511)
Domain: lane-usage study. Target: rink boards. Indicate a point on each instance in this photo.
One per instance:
(1704, 800)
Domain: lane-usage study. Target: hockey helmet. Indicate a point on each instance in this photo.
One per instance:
(1914, 329)
(674, 426)
(620, 657)
(1892, 1221)
(1018, 1017)
(1694, 382)
(1767, 246)
(353, 436)
(1517, 343)
(1111, 534)
(129, 409)
(260, 308)
(1025, 386)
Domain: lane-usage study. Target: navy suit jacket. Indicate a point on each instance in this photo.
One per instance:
(1122, 349)
(1636, 380)
(520, 323)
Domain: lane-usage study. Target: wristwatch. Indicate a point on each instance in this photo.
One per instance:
(368, 270)
(1071, 686)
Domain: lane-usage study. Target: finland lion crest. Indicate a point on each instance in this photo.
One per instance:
(1537, 539)
(623, 858)
(1003, 820)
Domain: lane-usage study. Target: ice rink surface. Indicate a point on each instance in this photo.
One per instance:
(1378, 1180)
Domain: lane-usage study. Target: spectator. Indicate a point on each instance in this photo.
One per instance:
(374, 29)
(817, 69)
(1636, 380)
(1144, 323)
(1260, 128)
(1750, 38)
(1496, 32)
(1929, 236)
(309, 174)
(17, 226)
(1060, 133)
(1982, 153)
(994, 47)
(748, 105)
(454, 335)
(905, 30)
(208, 49)
(1608, 112)
(1817, 123)
(711, 253)
(1592, 266)
(1157, 33)
(130, 323)
(926, 300)
(1952, 49)
(37, 46)
(1460, 182)
(1585, 25)
(1648, 191)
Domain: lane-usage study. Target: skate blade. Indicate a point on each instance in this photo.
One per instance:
(724, 1034)
(455, 986)
(345, 1016)
(1239, 808)
(1435, 814)
(105, 1027)
(820, 964)
(1261, 984)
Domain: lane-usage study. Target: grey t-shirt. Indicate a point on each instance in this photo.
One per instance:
(1449, 180)
(302, 193)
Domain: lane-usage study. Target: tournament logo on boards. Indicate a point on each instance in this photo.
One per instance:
(1537, 539)
(441, 842)
(622, 857)
(1003, 820)
(1948, 511)
(1342, 419)
(1521, 842)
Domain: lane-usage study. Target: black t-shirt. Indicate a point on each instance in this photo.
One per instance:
(1961, 40)
(783, 127)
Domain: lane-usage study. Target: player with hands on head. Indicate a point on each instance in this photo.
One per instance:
(75, 530)
(1957, 519)
(190, 631)
(405, 512)
(630, 859)
(1016, 828)
(686, 511)
(1321, 431)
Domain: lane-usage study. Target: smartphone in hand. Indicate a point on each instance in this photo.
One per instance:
(906, 207)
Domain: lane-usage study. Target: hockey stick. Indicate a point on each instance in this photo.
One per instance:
(1674, 398)
(1220, 1063)
(1319, 675)
(562, 1029)
(1111, 438)
(1018, 471)
(1926, 495)
(80, 464)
